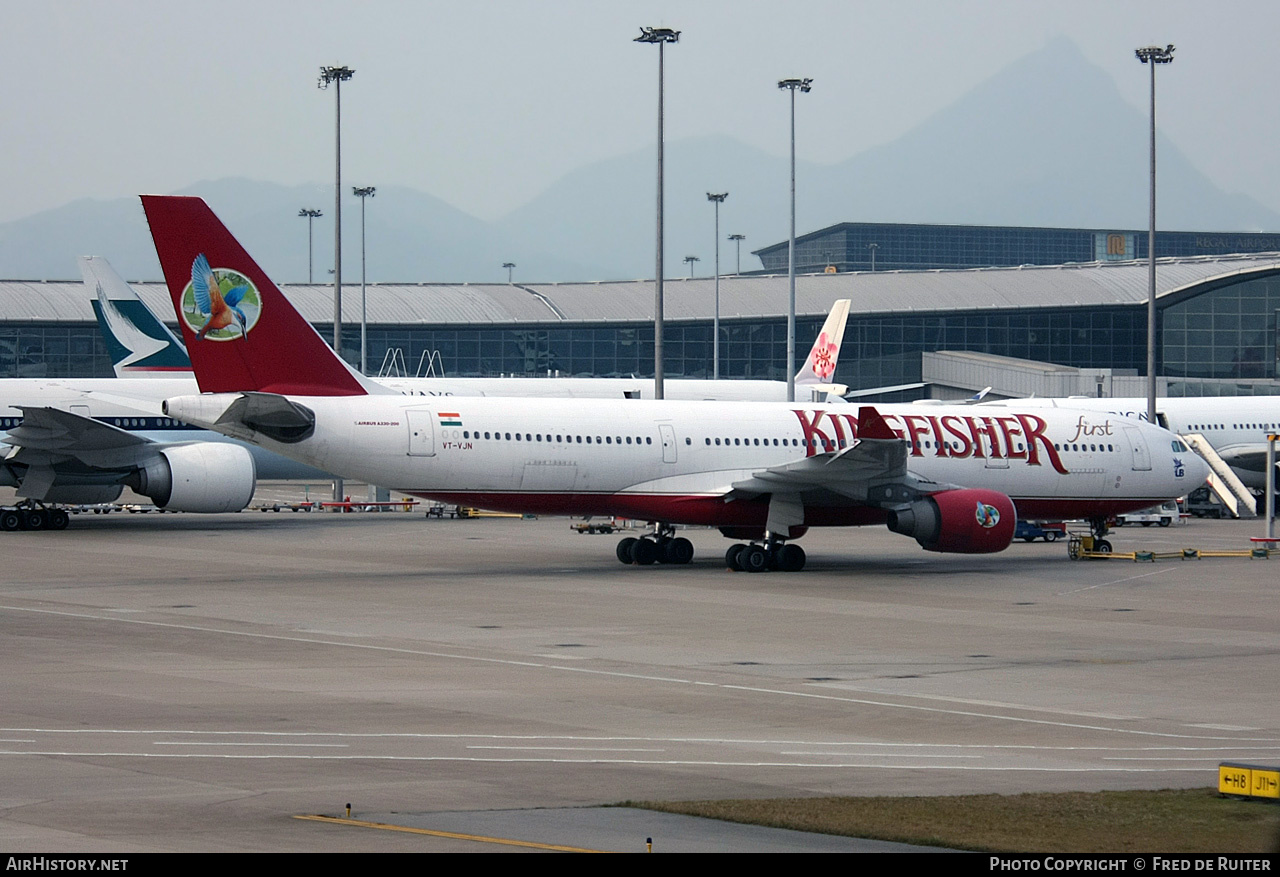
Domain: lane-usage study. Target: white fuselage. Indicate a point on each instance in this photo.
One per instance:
(134, 403)
(676, 461)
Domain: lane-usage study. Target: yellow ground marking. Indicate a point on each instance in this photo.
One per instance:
(478, 838)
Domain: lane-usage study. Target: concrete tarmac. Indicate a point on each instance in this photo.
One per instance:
(184, 682)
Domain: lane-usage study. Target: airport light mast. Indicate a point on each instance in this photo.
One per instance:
(363, 194)
(661, 36)
(718, 199)
(1152, 55)
(509, 266)
(792, 85)
(311, 214)
(689, 260)
(738, 239)
(336, 76)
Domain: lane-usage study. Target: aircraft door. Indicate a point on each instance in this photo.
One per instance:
(994, 459)
(1138, 448)
(668, 442)
(422, 436)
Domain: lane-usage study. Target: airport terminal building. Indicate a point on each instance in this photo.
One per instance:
(887, 246)
(1217, 323)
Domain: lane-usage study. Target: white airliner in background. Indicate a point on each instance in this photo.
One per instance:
(84, 440)
(948, 476)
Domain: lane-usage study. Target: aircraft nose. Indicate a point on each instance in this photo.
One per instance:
(1197, 470)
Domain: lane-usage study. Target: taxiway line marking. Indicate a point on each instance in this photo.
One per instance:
(215, 743)
(561, 749)
(1105, 584)
(1254, 744)
(615, 674)
(665, 762)
(453, 835)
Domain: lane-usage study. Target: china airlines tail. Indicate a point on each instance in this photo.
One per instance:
(221, 296)
(820, 367)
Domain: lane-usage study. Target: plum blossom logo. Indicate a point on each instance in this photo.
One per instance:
(824, 356)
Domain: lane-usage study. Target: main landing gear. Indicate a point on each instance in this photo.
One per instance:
(660, 546)
(1098, 526)
(31, 515)
(772, 553)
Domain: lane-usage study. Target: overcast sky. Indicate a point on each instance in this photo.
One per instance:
(484, 104)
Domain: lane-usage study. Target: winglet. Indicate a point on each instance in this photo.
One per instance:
(264, 344)
(871, 424)
(820, 366)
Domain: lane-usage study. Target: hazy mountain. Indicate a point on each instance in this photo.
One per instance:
(607, 209)
(410, 237)
(1047, 141)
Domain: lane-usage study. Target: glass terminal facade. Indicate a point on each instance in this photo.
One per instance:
(852, 246)
(1224, 331)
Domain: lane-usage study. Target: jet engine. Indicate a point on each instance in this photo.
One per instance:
(205, 477)
(962, 521)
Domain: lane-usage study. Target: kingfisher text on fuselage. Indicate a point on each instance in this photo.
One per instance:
(1013, 437)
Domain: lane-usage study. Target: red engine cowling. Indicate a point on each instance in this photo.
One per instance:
(960, 521)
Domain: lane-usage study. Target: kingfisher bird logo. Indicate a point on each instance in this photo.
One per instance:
(219, 304)
(988, 515)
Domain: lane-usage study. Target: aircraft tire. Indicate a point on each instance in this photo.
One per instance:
(791, 558)
(10, 520)
(644, 552)
(731, 557)
(624, 549)
(754, 558)
(58, 519)
(37, 519)
(1102, 546)
(678, 550)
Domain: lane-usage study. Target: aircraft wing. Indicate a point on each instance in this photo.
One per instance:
(1246, 457)
(49, 436)
(871, 470)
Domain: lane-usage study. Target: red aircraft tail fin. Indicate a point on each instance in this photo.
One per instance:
(871, 424)
(240, 330)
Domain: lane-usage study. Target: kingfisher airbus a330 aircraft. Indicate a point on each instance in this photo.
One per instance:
(763, 472)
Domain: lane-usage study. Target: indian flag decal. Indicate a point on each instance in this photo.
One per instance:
(450, 418)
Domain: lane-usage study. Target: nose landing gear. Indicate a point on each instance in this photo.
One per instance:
(1098, 526)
